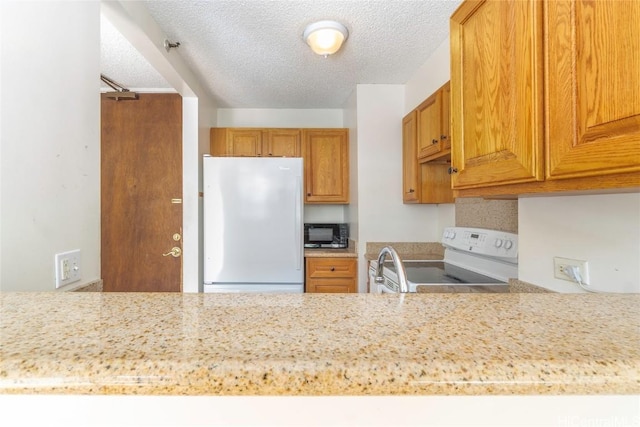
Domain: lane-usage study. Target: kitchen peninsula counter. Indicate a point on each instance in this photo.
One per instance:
(251, 344)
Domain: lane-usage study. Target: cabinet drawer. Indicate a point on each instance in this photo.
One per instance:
(333, 286)
(331, 268)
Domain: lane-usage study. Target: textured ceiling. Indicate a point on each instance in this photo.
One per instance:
(250, 53)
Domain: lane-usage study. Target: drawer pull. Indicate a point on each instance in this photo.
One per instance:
(332, 269)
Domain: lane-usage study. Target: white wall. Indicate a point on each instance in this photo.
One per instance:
(601, 229)
(434, 73)
(280, 117)
(50, 115)
(381, 214)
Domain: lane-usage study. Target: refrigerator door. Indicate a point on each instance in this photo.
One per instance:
(253, 229)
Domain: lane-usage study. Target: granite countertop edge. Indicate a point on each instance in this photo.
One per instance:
(118, 348)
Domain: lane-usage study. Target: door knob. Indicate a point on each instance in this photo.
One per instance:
(174, 252)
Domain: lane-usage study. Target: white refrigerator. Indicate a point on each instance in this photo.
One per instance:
(253, 229)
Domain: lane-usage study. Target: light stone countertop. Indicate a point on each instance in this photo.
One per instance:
(319, 344)
(331, 253)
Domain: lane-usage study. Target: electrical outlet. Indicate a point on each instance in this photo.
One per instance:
(67, 267)
(560, 269)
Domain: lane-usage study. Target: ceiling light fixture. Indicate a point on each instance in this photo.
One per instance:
(325, 37)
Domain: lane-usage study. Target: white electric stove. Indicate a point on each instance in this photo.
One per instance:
(475, 260)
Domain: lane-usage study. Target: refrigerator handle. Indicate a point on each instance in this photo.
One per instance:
(298, 223)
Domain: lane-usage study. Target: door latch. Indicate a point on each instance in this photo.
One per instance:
(174, 252)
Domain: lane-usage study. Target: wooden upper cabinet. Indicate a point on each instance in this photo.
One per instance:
(429, 125)
(425, 172)
(445, 130)
(236, 142)
(255, 142)
(545, 97)
(326, 157)
(593, 88)
(410, 179)
(496, 93)
(281, 143)
(433, 136)
(244, 142)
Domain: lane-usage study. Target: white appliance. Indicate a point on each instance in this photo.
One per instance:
(253, 229)
(475, 260)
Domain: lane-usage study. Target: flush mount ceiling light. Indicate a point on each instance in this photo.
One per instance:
(325, 37)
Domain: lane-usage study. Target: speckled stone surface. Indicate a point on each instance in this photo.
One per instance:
(331, 253)
(516, 285)
(95, 286)
(319, 344)
(495, 214)
(407, 250)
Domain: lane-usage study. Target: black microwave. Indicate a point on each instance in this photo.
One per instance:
(335, 235)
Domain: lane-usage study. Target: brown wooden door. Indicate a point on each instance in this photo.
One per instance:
(593, 88)
(141, 193)
(496, 93)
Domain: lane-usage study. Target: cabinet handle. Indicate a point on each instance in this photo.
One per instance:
(332, 269)
(411, 190)
(308, 194)
(443, 136)
(434, 141)
(452, 170)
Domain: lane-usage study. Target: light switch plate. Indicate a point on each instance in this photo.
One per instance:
(68, 267)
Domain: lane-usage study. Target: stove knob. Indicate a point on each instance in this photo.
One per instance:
(508, 244)
(498, 243)
(452, 234)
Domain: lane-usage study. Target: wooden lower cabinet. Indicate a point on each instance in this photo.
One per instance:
(331, 275)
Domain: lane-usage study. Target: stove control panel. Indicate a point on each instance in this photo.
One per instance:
(482, 241)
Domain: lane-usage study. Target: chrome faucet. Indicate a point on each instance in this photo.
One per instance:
(397, 263)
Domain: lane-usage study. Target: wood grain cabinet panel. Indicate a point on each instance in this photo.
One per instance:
(326, 156)
(281, 143)
(410, 173)
(545, 97)
(255, 142)
(334, 275)
(425, 165)
(496, 93)
(593, 88)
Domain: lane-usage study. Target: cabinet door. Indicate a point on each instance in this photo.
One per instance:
(244, 142)
(282, 143)
(445, 134)
(326, 165)
(410, 179)
(593, 88)
(496, 93)
(218, 142)
(429, 125)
